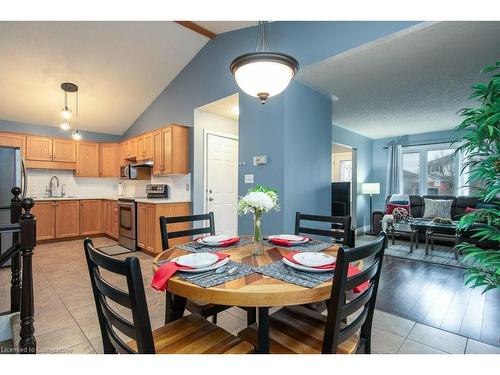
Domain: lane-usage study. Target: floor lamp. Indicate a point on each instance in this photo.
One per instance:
(370, 188)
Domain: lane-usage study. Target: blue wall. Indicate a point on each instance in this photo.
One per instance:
(52, 131)
(379, 155)
(364, 149)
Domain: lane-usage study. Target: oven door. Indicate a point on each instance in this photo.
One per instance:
(126, 219)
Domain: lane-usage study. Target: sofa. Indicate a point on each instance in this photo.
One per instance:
(417, 208)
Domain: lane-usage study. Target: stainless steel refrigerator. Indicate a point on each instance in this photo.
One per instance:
(12, 173)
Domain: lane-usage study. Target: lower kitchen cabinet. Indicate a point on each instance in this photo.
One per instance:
(110, 218)
(45, 215)
(148, 224)
(90, 217)
(67, 219)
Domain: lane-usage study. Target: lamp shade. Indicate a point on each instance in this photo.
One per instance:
(370, 188)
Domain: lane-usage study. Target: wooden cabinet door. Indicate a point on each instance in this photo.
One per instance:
(45, 220)
(109, 160)
(14, 140)
(142, 212)
(114, 219)
(38, 148)
(157, 152)
(167, 150)
(64, 150)
(151, 227)
(178, 209)
(67, 219)
(107, 218)
(132, 148)
(90, 217)
(141, 150)
(148, 146)
(87, 161)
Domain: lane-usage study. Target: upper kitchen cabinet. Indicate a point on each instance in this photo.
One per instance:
(109, 160)
(130, 149)
(87, 159)
(50, 153)
(14, 140)
(145, 146)
(171, 150)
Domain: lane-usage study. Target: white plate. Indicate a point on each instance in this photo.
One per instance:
(303, 268)
(214, 266)
(197, 260)
(215, 239)
(215, 244)
(310, 259)
(294, 240)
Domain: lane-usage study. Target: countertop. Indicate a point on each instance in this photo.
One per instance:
(138, 200)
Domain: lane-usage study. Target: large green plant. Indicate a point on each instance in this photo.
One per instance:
(479, 137)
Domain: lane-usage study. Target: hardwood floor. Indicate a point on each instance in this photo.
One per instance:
(435, 295)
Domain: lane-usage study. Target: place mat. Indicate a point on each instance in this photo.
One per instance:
(310, 246)
(278, 270)
(210, 278)
(195, 247)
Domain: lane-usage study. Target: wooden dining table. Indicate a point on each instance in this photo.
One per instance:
(252, 291)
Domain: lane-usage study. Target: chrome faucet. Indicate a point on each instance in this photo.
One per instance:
(51, 185)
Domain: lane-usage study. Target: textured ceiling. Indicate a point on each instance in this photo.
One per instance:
(408, 83)
(120, 67)
(225, 107)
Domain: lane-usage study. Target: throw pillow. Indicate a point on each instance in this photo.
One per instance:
(437, 207)
(389, 207)
(486, 205)
(400, 202)
(401, 214)
(468, 210)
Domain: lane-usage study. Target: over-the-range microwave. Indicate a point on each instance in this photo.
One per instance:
(136, 171)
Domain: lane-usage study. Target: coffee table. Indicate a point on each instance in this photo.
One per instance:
(403, 228)
(436, 231)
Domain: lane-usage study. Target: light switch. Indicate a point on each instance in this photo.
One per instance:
(249, 179)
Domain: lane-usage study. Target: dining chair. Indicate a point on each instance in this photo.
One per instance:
(340, 230)
(206, 310)
(347, 326)
(190, 334)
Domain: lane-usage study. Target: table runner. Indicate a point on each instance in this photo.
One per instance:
(210, 278)
(312, 246)
(195, 247)
(280, 271)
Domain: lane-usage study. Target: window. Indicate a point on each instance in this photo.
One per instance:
(431, 170)
(346, 170)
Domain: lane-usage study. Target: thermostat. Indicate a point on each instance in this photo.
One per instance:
(260, 160)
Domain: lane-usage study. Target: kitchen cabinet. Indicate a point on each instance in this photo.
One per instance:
(110, 218)
(87, 164)
(130, 149)
(109, 160)
(63, 150)
(50, 153)
(148, 229)
(67, 219)
(14, 140)
(141, 148)
(45, 215)
(145, 146)
(171, 150)
(90, 217)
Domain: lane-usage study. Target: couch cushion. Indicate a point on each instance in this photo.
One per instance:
(437, 208)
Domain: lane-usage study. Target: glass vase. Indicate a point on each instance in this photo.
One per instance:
(257, 235)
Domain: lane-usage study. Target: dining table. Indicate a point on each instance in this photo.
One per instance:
(254, 292)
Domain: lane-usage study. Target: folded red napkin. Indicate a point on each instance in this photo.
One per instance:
(282, 242)
(351, 271)
(167, 270)
(229, 242)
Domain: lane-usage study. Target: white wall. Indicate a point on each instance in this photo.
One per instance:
(206, 121)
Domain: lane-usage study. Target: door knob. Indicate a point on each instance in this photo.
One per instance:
(210, 199)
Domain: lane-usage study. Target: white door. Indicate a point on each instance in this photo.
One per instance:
(222, 182)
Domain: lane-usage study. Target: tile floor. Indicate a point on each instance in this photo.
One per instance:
(65, 313)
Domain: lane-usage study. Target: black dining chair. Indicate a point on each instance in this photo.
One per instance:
(180, 336)
(340, 227)
(206, 310)
(347, 326)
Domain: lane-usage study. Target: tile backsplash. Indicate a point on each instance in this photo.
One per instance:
(90, 187)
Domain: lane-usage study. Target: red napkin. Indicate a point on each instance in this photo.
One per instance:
(351, 271)
(281, 242)
(229, 242)
(167, 270)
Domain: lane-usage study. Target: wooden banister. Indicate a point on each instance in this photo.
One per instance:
(15, 265)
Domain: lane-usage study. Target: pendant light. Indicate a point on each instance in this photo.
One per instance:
(76, 135)
(264, 73)
(66, 112)
(64, 125)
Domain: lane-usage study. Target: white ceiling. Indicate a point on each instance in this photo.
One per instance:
(120, 67)
(408, 83)
(225, 107)
(219, 27)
